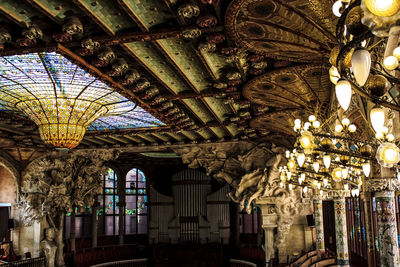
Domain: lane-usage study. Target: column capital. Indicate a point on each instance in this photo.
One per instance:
(338, 194)
(382, 184)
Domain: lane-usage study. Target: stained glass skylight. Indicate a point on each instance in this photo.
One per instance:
(63, 99)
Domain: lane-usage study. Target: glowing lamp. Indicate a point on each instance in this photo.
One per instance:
(345, 122)
(306, 140)
(301, 157)
(391, 63)
(366, 169)
(327, 161)
(396, 52)
(336, 8)
(290, 186)
(390, 137)
(305, 189)
(345, 173)
(337, 174)
(361, 65)
(352, 128)
(343, 93)
(377, 116)
(291, 165)
(346, 186)
(338, 128)
(316, 124)
(388, 154)
(316, 166)
(383, 8)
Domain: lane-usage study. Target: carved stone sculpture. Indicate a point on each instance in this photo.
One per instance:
(56, 183)
(48, 247)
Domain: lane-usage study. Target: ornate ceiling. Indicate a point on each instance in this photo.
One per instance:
(211, 70)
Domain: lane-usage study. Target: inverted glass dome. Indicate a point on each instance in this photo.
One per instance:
(63, 99)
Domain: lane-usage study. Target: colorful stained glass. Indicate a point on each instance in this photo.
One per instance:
(63, 99)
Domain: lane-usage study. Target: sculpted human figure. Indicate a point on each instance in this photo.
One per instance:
(48, 247)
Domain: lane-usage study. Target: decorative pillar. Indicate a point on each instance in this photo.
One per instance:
(95, 218)
(319, 226)
(342, 248)
(384, 189)
(366, 198)
(269, 223)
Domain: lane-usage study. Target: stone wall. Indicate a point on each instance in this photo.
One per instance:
(8, 189)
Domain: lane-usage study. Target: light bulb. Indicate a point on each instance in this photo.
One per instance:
(357, 191)
(346, 186)
(383, 8)
(345, 122)
(338, 128)
(305, 189)
(281, 184)
(352, 128)
(391, 63)
(316, 166)
(388, 154)
(312, 118)
(291, 165)
(377, 116)
(289, 175)
(379, 135)
(301, 157)
(366, 169)
(327, 161)
(385, 130)
(390, 137)
(361, 65)
(353, 193)
(345, 173)
(306, 125)
(306, 140)
(290, 186)
(334, 75)
(287, 154)
(321, 192)
(297, 124)
(316, 124)
(336, 8)
(343, 93)
(325, 181)
(319, 185)
(337, 174)
(396, 52)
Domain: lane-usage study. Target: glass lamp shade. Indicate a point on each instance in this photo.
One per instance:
(361, 65)
(345, 173)
(343, 93)
(391, 63)
(306, 140)
(366, 169)
(377, 116)
(383, 8)
(301, 157)
(316, 166)
(388, 154)
(63, 99)
(337, 174)
(327, 161)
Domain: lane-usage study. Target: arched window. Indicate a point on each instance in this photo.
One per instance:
(108, 208)
(136, 203)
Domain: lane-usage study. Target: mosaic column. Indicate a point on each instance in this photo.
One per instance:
(269, 224)
(384, 189)
(366, 198)
(342, 248)
(319, 226)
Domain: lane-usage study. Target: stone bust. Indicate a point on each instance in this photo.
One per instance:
(48, 247)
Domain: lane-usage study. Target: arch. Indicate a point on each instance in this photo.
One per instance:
(12, 167)
(136, 209)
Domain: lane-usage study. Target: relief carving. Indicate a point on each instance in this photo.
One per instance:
(58, 182)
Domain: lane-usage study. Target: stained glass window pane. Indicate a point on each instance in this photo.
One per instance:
(142, 224)
(130, 224)
(142, 204)
(35, 84)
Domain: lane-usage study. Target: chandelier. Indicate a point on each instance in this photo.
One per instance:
(325, 159)
(60, 97)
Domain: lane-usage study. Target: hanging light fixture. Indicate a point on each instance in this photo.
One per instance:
(327, 161)
(361, 65)
(60, 97)
(383, 8)
(388, 154)
(377, 117)
(301, 157)
(366, 168)
(343, 93)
